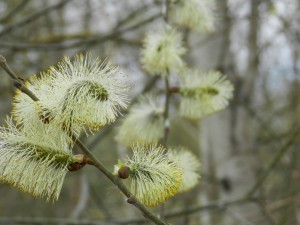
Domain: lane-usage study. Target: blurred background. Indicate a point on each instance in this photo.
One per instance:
(249, 152)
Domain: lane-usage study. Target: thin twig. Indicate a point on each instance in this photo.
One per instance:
(116, 180)
(274, 162)
(165, 12)
(17, 82)
(190, 210)
(212, 206)
(85, 42)
(92, 159)
(166, 122)
(266, 212)
(141, 10)
(239, 218)
(14, 11)
(24, 21)
(166, 112)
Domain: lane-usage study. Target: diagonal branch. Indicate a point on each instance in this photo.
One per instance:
(92, 159)
(14, 11)
(273, 163)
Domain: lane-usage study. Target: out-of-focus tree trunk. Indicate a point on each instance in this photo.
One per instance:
(227, 140)
(214, 128)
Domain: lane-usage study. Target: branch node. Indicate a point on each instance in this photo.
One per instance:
(131, 200)
(79, 161)
(123, 172)
(17, 84)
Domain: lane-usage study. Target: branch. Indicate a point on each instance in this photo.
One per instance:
(239, 218)
(166, 122)
(274, 162)
(116, 180)
(13, 12)
(24, 21)
(190, 210)
(86, 41)
(131, 16)
(92, 159)
(212, 206)
(166, 112)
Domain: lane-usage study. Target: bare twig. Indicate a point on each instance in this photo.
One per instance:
(273, 163)
(166, 112)
(191, 210)
(92, 159)
(131, 199)
(85, 42)
(166, 129)
(24, 21)
(14, 11)
(239, 218)
(17, 82)
(212, 206)
(133, 14)
(165, 12)
(265, 211)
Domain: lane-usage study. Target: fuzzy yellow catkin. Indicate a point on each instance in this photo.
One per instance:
(155, 176)
(203, 93)
(196, 15)
(190, 165)
(143, 123)
(162, 51)
(32, 161)
(83, 93)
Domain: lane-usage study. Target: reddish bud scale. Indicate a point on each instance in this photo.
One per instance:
(130, 200)
(75, 166)
(82, 161)
(124, 172)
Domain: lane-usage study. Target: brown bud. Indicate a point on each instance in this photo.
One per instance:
(79, 161)
(124, 172)
(130, 200)
(75, 166)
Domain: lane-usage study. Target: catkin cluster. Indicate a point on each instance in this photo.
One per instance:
(158, 173)
(75, 96)
(85, 94)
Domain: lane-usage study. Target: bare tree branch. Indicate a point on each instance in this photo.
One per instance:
(14, 11)
(74, 44)
(280, 153)
(43, 12)
(191, 210)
